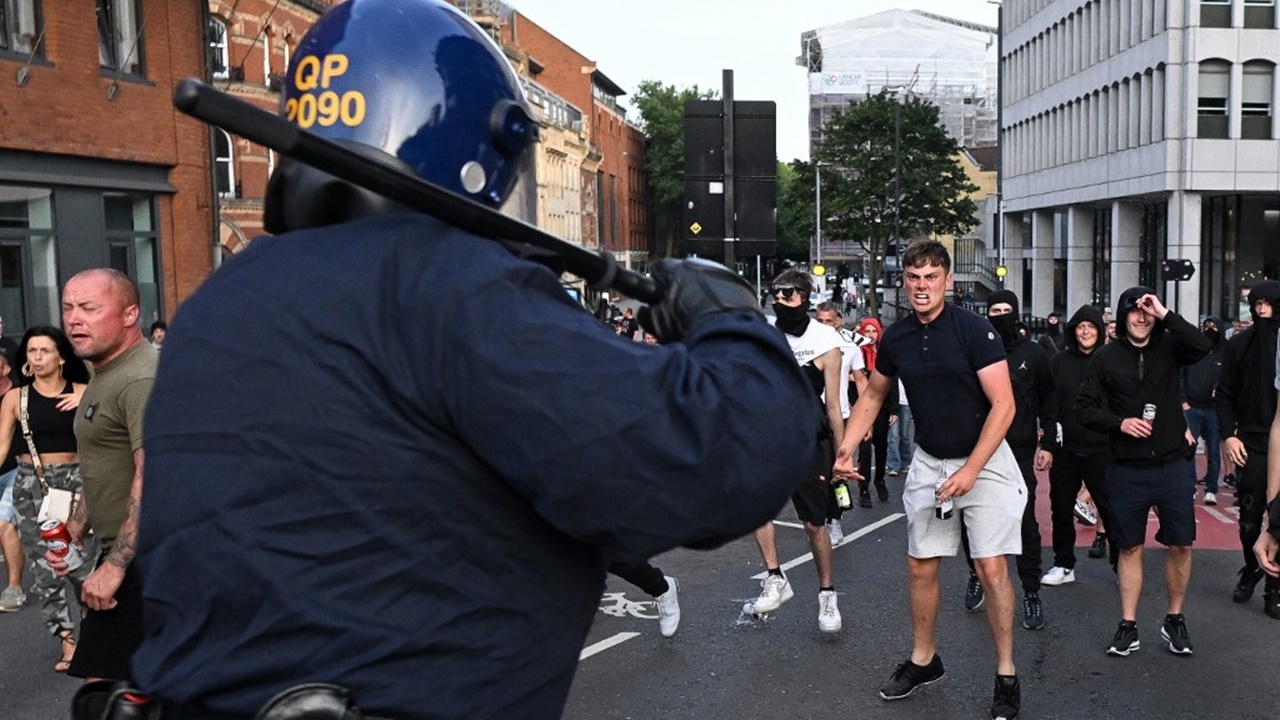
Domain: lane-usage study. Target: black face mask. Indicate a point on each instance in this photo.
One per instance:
(792, 320)
(1213, 335)
(1055, 329)
(1007, 326)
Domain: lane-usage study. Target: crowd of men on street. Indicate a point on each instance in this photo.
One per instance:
(366, 498)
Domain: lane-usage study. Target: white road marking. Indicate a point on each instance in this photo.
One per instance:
(849, 537)
(606, 644)
(1214, 512)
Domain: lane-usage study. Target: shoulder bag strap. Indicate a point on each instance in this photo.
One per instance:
(26, 435)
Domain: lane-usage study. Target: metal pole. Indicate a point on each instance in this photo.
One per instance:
(897, 200)
(730, 232)
(817, 175)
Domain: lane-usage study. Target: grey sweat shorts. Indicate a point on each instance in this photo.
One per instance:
(991, 511)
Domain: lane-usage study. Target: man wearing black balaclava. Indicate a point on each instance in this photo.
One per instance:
(1199, 404)
(1032, 391)
(1246, 405)
(1052, 340)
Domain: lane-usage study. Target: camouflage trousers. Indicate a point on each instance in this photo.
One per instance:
(54, 592)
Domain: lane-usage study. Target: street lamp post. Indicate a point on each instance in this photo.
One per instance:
(817, 179)
(900, 95)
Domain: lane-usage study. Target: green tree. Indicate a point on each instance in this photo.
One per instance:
(661, 109)
(866, 147)
(795, 210)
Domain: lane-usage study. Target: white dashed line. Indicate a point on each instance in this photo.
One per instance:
(847, 539)
(606, 644)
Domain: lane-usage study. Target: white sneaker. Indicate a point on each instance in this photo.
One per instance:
(835, 531)
(828, 613)
(775, 591)
(1058, 576)
(1210, 498)
(669, 608)
(12, 599)
(1084, 513)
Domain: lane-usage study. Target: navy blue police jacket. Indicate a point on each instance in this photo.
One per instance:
(394, 456)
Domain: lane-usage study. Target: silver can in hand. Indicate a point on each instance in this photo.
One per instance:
(1148, 412)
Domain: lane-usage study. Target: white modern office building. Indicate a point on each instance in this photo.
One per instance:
(1134, 131)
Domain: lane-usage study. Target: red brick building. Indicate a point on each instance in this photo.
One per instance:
(96, 168)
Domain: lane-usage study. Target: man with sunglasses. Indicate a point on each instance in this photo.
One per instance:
(952, 363)
(817, 349)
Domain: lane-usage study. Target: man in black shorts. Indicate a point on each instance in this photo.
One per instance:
(952, 364)
(817, 349)
(1131, 391)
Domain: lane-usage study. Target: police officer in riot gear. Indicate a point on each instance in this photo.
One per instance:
(356, 477)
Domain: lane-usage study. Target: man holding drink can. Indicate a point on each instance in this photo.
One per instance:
(1131, 391)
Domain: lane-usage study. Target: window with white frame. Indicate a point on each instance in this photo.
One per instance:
(119, 36)
(1215, 13)
(1255, 101)
(1260, 14)
(219, 49)
(1214, 94)
(20, 26)
(224, 163)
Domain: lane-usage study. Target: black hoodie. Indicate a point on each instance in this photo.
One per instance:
(1246, 396)
(1067, 369)
(1200, 379)
(1121, 379)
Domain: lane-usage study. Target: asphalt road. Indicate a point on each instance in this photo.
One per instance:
(720, 665)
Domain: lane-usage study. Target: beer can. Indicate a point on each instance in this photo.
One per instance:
(51, 530)
(58, 539)
(1148, 412)
(68, 552)
(843, 501)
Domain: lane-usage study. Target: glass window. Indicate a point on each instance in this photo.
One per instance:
(1215, 13)
(28, 247)
(219, 54)
(1260, 13)
(119, 36)
(20, 27)
(1255, 101)
(133, 248)
(224, 165)
(1215, 82)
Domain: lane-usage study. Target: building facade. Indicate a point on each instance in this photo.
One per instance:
(80, 185)
(1136, 131)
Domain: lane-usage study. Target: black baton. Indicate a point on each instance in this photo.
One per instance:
(203, 102)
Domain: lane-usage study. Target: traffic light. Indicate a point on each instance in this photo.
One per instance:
(1176, 270)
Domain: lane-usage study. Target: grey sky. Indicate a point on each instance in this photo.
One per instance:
(689, 42)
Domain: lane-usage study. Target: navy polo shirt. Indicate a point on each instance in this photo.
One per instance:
(938, 364)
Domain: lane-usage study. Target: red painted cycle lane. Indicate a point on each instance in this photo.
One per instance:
(1216, 525)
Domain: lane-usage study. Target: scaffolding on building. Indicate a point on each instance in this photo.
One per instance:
(951, 63)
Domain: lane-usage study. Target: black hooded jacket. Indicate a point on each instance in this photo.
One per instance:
(1246, 395)
(1200, 379)
(1067, 369)
(1029, 375)
(1121, 379)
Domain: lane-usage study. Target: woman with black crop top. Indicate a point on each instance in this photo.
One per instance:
(54, 379)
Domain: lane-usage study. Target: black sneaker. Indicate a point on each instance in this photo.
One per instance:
(882, 492)
(1099, 547)
(908, 676)
(1271, 599)
(864, 495)
(1229, 480)
(1174, 632)
(973, 595)
(1008, 698)
(1032, 611)
(1249, 580)
(1126, 639)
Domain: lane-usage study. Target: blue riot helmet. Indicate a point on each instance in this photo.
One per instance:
(417, 83)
